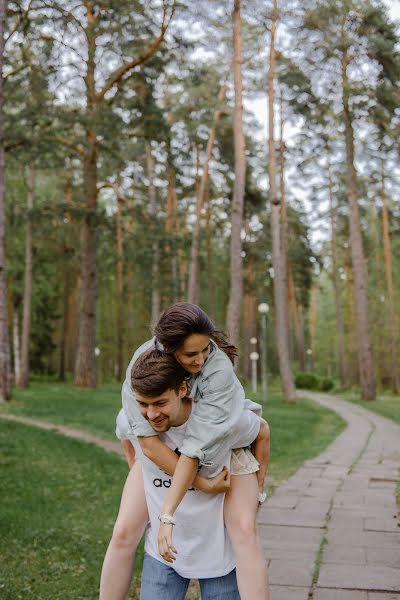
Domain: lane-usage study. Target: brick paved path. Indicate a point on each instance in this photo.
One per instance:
(331, 532)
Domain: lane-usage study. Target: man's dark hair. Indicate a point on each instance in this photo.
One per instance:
(155, 372)
(183, 319)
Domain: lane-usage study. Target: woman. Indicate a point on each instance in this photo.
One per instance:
(187, 332)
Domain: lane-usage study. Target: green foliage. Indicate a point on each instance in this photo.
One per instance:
(326, 384)
(307, 381)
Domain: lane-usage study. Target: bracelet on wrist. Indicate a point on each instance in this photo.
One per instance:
(168, 519)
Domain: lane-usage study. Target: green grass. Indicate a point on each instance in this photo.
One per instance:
(59, 499)
(387, 405)
(91, 410)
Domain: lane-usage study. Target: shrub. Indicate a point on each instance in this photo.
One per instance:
(326, 384)
(307, 381)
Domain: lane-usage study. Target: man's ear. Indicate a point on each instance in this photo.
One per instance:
(183, 389)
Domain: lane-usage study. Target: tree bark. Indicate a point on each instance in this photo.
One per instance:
(284, 227)
(313, 324)
(391, 315)
(236, 261)
(23, 381)
(85, 366)
(193, 285)
(5, 366)
(120, 286)
(365, 362)
(212, 300)
(302, 349)
(171, 229)
(16, 344)
(336, 286)
(155, 268)
(65, 322)
(280, 291)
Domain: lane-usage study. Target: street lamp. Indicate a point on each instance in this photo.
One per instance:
(263, 309)
(254, 358)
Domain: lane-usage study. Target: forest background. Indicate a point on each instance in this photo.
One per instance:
(133, 174)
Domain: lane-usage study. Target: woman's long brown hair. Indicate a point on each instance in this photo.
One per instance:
(183, 319)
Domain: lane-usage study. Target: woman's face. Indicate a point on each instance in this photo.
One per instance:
(193, 352)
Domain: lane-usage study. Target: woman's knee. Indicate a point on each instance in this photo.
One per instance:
(126, 534)
(243, 530)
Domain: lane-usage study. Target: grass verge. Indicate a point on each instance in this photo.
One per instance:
(59, 500)
(386, 405)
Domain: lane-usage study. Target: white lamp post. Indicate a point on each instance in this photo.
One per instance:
(263, 309)
(254, 358)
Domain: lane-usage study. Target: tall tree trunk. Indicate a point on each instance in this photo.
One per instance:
(249, 319)
(236, 260)
(212, 301)
(120, 286)
(313, 324)
(366, 368)
(391, 315)
(129, 298)
(85, 365)
(64, 327)
(193, 285)
(295, 310)
(280, 291)
(16, 344)
(155, 248)
(171, 227)
(284, 226)
(5, 366)
(302, 350)
(336, 286)
(65, 322)
(27, 305)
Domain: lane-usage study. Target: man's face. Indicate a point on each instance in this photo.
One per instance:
(163, 411)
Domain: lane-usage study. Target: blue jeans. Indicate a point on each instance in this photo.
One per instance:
(161, 582)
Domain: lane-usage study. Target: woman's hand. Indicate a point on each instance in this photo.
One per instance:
(165, 547)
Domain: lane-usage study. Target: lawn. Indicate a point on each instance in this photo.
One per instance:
(60, 496)
(59, 499)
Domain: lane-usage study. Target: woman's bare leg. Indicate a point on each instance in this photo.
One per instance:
(240, 511)
(131, 522)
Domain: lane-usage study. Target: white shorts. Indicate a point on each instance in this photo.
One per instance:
(243, 462)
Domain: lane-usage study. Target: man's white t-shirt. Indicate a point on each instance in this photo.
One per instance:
(203, 545)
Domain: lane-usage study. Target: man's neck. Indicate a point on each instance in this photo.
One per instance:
(184, 414)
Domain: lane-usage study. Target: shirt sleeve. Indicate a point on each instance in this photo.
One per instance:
(137, 423)
(122, 426)
(220, 404)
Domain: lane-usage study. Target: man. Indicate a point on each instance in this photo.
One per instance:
(204, 549)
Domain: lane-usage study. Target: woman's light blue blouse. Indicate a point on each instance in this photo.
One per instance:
(219, 401)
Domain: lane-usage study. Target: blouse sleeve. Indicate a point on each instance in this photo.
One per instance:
(137, 424)
(220, 403)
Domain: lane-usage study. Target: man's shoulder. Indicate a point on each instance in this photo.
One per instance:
(148, 345)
